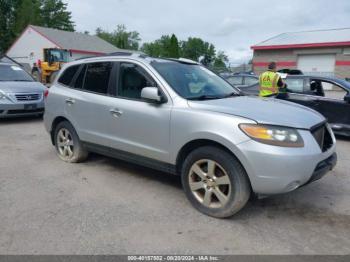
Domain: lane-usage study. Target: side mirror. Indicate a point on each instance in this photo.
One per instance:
(347, 98)
(151, 94)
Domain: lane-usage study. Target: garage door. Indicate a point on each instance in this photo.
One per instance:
(317, 64)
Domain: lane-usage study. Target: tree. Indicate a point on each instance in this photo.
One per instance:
(195, 48)
(220, 61)
(167, 46)
(158, 48)
(7, 19)
(27, 12)
(54, 14)
(174, 50)
(16, 15)
(120, 37)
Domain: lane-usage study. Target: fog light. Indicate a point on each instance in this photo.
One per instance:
(292, 186)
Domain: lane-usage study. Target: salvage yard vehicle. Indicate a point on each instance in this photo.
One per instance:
(242, 80)
(46, 71)
(181, 118)
(20, 95)
(310, 91)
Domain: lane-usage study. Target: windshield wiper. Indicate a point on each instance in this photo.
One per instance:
(204, 97)
(232, 95)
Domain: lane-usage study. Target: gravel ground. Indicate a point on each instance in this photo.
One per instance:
(105, 206)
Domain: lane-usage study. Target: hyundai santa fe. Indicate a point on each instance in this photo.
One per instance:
(181, 118)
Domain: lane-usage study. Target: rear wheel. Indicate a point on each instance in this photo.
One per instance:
(68, 145)
(215, 182)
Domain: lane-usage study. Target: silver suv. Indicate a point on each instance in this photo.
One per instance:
(181, 118)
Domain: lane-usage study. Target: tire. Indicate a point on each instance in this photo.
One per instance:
(221, 192)
(68, 145)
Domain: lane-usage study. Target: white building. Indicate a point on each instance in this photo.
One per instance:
(28, 48)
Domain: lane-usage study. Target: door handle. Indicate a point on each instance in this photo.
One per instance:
(116, 112)
(70, 101)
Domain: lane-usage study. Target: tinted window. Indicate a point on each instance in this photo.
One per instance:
(97, 77)
(79, 82)
(295, 85)
(193, 81)
(68, 74)
(132, 79)
(251, 80)
(235, 80)
(14, 73)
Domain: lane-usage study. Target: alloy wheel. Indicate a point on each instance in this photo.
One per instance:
(65, 144)
(210, 183)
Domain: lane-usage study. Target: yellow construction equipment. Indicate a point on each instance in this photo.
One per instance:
(45, 71)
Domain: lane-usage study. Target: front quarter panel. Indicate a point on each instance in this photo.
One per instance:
(190, 124)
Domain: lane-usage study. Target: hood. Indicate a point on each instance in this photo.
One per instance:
(263, 111)
(21, 87)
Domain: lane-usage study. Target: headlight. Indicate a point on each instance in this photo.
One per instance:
(273, 135)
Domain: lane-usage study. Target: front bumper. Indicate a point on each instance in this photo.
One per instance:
(22, 109)
(275, 170)
(323, 168)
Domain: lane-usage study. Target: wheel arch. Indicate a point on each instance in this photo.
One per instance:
(55, 122)
(194, 144)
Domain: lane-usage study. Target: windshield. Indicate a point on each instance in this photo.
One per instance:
(193, 81)
(57, 55)
(14, 73)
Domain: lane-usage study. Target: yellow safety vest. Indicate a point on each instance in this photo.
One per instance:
(268, 83)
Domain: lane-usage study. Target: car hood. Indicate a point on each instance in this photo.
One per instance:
(263, 111)
(21, 87)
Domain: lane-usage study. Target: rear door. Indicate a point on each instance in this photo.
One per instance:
(89, 102)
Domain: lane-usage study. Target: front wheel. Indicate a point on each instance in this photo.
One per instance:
(215, 182)
(68, 145)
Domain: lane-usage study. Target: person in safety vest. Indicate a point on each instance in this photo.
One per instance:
(270, 82)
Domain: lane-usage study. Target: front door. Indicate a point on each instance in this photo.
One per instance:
(140, 127)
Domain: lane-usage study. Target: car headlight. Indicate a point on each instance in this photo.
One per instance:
(273, 135)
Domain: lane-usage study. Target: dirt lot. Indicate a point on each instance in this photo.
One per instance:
(105, 206)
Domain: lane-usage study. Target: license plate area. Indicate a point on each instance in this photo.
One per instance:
(30, 107)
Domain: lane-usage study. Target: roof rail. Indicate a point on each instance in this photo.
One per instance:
(119, 53)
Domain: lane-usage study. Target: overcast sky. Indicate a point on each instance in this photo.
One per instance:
(232, 26)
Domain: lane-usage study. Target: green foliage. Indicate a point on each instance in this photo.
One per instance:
(174, 49)
(194, 48)
(54, 14)
(7, 18)
(120, 37)
(166, 46)
(16, 15)
(220, 60)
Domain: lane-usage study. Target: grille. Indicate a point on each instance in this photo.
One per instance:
(27, 97)
(323, 137)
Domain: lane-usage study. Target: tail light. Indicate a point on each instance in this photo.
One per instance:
(46, 93)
